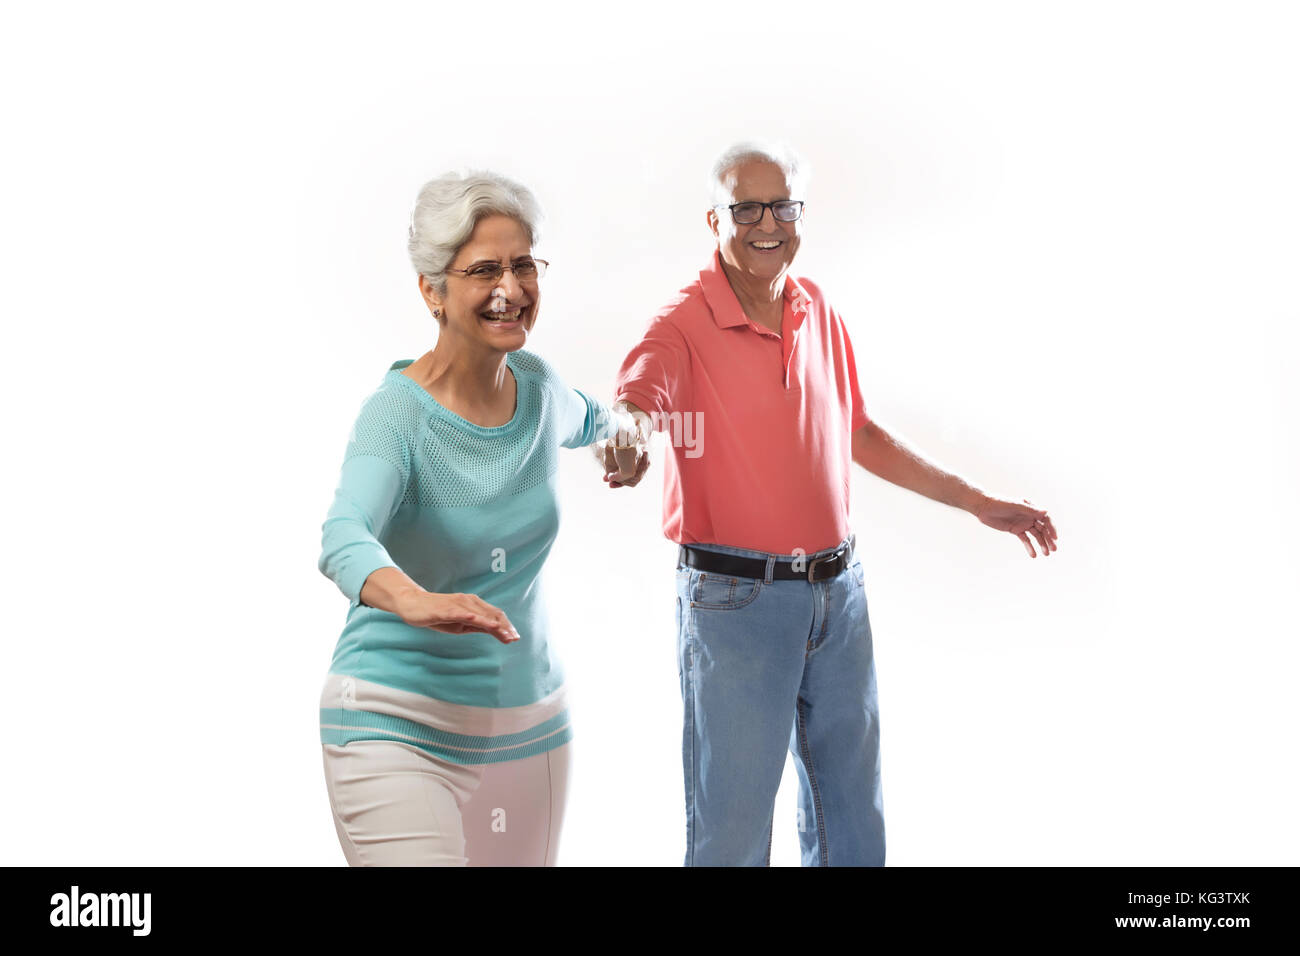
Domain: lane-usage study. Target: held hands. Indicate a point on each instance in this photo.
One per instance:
(626, 456)
(456, 614)
(1021, 520)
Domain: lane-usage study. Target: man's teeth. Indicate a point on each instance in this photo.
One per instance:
(772, 244)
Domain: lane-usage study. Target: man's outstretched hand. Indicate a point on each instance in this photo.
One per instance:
(626, 456)
(626, 473)
(1022, 520)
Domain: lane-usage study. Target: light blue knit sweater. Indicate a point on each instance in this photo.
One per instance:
(459, 508)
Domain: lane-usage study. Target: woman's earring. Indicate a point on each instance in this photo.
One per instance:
(437, 313)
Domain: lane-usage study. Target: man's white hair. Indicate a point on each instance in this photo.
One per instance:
(791, 163)
(449, 207)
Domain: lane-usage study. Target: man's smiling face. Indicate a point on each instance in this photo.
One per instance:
(765, 249)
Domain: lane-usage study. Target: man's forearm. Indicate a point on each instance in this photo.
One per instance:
(643, 419)
(883, 455)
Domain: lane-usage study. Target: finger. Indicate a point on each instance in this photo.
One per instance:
(1038, 535)
(507, 630)
(627, 461)
(495, 626)
(473, 610)
(1028, 545)
(500, 623)
(1051, 527)
(1045, 526)
(642, 466)
(464, 622)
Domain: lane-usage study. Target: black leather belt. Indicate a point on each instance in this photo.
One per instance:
(795, 569)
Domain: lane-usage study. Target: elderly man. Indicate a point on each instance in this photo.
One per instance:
(753, 372)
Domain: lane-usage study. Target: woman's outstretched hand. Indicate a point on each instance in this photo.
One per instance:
(1021, 520)
(456, 614)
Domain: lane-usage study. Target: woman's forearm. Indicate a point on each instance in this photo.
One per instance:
(385, 588)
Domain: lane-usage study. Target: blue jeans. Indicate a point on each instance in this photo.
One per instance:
(766, 664)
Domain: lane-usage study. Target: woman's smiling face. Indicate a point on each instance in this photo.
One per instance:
(472, 307)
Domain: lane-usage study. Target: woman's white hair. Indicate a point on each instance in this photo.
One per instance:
(449, 207)
(794, 166)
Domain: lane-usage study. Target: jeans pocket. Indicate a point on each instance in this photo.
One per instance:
(722, 592)
(858, 574)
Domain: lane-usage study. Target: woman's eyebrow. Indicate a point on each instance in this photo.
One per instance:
(497, 262)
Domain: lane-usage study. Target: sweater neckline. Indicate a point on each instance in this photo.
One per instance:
(448, 415)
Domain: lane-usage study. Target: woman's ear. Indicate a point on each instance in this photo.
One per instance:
(431, 297)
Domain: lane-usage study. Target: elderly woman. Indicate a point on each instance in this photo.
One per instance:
(443, 720)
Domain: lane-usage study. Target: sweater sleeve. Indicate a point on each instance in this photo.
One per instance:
(371, 484)
(584, 420)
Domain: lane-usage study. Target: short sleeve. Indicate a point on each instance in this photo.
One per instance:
(857, 407)
(655, 375)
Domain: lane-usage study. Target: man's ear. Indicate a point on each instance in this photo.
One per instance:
(711, 217)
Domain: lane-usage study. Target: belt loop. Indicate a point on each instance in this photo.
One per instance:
(767, 573)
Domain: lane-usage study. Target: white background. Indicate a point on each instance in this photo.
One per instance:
(1064, 238)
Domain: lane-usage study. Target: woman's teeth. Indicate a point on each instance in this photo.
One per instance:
(510, 316)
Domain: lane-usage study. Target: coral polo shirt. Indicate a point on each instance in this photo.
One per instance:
(760, 424)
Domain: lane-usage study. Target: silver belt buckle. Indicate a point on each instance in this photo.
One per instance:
(816, 561)
(837, 553)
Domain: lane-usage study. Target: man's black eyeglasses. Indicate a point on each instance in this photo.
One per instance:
(748, 213)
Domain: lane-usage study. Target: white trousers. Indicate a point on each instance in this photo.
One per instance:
(396, 805)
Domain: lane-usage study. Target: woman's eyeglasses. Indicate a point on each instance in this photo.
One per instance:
(525, 270)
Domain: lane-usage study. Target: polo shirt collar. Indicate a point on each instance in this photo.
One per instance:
(724, 305)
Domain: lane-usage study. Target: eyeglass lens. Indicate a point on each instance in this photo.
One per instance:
(523, 269)
(751, 212)
(784, 211)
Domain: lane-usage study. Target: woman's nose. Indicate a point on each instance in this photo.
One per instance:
(509, 284)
